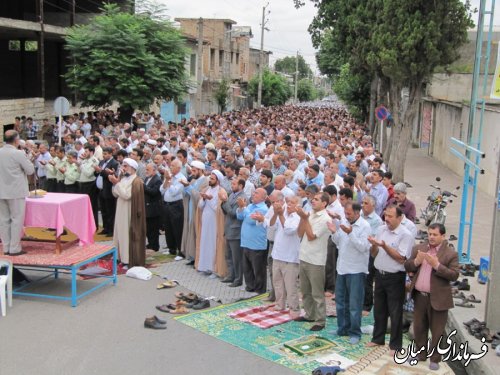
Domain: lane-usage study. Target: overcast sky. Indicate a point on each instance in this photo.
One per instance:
(288, 26)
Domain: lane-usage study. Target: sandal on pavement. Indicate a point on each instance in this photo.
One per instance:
(472, 298)
(471, 322)
(460, 295)
(464, 303)
(495, 343)
(165, 308)
(179, 310)
(485, 332)
(167, 284)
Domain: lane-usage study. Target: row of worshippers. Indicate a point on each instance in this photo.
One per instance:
(295, 245)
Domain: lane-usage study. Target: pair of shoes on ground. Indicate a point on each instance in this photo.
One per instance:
(155, 323)
(466, 301)
(479, 330)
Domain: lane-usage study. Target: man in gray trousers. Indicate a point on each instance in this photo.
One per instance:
(14, 169)
(232, 232)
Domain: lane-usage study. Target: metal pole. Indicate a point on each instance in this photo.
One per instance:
(296, 76)
(261, 57)
(199, 69)
(41, 51)
(381, 134)
(60, 128)
(465, 257)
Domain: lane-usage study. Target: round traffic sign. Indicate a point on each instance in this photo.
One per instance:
(381, 113)
(61, 105)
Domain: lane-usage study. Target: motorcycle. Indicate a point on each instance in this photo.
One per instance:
(437, 201)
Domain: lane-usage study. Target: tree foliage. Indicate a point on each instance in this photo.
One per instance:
(306, 91)
(354, 90)
(400, 41)
(275, 88)
(221, 95)
(132, 59)
(288, 64)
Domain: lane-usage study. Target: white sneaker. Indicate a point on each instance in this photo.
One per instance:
(177, 258)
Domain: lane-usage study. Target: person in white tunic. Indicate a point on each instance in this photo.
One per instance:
(208, 239)
(122, 190)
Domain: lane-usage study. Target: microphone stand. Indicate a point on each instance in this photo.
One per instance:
(36, 186)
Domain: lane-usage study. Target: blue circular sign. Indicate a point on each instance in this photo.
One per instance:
(381, 113)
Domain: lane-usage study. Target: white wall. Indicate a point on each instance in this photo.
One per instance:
(451, 120)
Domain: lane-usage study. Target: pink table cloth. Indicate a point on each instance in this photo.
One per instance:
(59, 210)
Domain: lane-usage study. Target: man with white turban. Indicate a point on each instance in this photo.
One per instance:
(198, 183)
(212, 228)
(130, 220)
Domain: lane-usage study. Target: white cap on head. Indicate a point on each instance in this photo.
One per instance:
(151, 142)
(210, 146)
(198, 164)
(218, 174)
(131, 163)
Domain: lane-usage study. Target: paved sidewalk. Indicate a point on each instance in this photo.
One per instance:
(202, 284)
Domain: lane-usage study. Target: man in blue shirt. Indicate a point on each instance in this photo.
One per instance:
(253, 241)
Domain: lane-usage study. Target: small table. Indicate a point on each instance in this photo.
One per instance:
(59, 210)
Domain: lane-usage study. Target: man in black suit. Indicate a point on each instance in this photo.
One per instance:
(107, 201)
(152, 199)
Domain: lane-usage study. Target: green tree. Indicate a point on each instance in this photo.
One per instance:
(400, 41)
(306, 91)
(132, 59)
(275, 88)
(221, 95)
(287, 65)
(354, 90)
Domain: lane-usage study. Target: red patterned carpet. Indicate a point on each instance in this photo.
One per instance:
(43, 254)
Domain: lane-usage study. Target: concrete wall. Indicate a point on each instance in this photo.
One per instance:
(9, 109)
(454, 87)
(451, 120)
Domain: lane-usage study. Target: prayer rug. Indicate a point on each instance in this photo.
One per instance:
(263, 316)
(270, 343)
(43, 254)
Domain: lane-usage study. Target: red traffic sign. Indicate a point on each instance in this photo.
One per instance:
(381, 112)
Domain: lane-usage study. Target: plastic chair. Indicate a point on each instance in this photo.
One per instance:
(5, 286)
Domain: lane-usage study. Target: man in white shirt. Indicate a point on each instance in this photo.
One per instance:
(368, 213)
(314, 232)
(335, 210)
(286, 255)
(391, 247)
(351, 238)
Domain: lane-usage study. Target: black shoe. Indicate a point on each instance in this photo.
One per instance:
(190, 263)
(103, 232)
(316, 328)
(203, 304)
(249, 290)
(303, 319)
(227, 280)
(234, 285)
(156, 319)
(464, 285)
(17, 254)
(153, 324)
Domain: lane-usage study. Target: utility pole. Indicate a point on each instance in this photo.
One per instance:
(296, 76)
(199, 69)
(261, 55)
